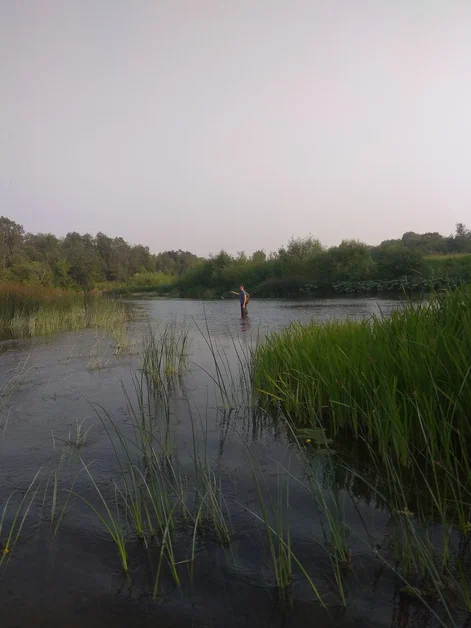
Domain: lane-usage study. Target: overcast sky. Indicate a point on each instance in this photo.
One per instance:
(209, 124)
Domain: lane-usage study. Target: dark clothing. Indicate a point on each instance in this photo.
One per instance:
(243, 309)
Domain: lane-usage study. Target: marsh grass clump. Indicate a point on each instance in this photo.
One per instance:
(399, 387)
(97, 360)
(403, 382)
(166, 356)
(32, 310)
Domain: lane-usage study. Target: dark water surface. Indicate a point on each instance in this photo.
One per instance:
(74, 578)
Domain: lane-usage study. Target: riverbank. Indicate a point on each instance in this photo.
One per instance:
(436, 273)
(32, 310)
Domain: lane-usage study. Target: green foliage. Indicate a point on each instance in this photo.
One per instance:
(147, 278)
(448, 266)
(304, 267)
(401, 381)
(30, 310)
(436, 244)
(350, 261)
(396, 260)
(32, 272)
(62, 278)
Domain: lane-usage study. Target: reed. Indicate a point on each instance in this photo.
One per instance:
(166, 356)
(19, 516)
(403, 382)
(30, 310)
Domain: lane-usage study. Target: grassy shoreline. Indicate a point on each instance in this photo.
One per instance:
(290, 288)
(30, 310)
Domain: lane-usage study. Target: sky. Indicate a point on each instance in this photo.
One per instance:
(235, 124)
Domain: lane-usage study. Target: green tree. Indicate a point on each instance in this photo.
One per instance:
(32, 272)
(462, 239)
(351, 260)
(396, 260)
(11, 240)
(85, 265)
(259, 257)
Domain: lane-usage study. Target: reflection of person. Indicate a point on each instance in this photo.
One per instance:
(243, 300)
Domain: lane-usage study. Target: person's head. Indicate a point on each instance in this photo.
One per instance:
(241, 287)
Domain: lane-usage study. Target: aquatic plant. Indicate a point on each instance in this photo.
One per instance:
(398, 381)
(31, 310)
(14, 528)
(166, 356)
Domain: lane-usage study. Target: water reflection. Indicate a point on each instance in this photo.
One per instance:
(245, 324)
(57, 393)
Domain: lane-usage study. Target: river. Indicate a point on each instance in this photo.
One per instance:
(73, 578)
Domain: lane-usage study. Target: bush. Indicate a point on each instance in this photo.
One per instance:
(145, 278)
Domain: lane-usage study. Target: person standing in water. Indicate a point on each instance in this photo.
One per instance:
(243, 300)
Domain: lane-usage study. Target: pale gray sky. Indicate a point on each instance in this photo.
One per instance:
(209, 124)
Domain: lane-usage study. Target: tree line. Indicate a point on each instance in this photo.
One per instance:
(85, 261)
(81, 260)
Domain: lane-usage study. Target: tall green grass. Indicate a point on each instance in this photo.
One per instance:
(30, 310)
(166, 356)
(160, 496)
(401, 386)
(402, 381)
(451, 266)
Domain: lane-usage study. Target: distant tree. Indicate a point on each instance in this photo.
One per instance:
(120, 260)
(141, 260)
(32, 272)
(462, 239)
(11, 240)
(303, 248)
(62, 278)
(351, 260)
(104, 249)
(396, 260)
(259, 257)
(427, 243)
(43, 247)
(296, 258)
(85, 265)
(175, 262)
